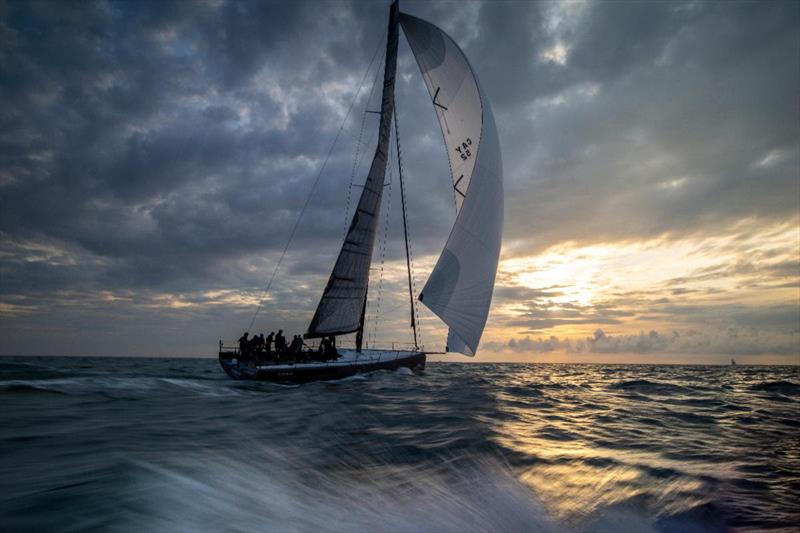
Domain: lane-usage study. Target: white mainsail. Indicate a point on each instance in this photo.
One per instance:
(460, 287)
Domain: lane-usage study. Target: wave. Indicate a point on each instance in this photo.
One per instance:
(104, 385)
(645, 386)
(459, 448)
(215, 493)
(272, 491)
(780, 387)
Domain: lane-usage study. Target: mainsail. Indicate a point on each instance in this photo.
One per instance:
(341, 307)
(460, 287)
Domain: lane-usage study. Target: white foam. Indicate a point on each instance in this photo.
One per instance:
(257, 494)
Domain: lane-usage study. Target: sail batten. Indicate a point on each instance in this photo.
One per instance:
(341, 307)
(459, 289)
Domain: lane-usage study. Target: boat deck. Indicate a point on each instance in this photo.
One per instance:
(348, 363)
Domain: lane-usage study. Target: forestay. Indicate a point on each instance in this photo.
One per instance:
(460, 287)
(341, 306)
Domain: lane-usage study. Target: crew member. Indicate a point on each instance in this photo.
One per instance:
(280, 342)
(243, 345)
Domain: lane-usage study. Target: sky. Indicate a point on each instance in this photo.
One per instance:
(155, 156)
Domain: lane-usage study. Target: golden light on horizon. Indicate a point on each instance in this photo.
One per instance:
(669, 285)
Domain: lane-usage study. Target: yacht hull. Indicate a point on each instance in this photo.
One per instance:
(348, 364)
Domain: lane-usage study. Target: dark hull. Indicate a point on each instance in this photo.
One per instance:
(303, 373)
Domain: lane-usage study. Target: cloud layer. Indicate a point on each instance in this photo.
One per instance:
(154, 158)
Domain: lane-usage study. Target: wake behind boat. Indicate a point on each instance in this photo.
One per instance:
(459, 289)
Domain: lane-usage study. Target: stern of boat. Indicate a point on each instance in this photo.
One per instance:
(236, 368)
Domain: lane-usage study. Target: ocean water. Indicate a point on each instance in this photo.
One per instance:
(113, 444)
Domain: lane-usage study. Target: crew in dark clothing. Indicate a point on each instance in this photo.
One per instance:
(327, 349)
(332, 353)
(291, 350)
(280, 342)
(252, 347)
(302, 356)
(296, 346)
(244, 345)
(259, 348)
(268, 345)
(320, 355)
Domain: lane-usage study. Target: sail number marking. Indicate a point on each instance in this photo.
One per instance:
(463, 149)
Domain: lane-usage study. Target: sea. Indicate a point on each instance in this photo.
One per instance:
(155, 444)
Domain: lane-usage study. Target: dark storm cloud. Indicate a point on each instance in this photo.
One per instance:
(697, 128)
(115, 142)
(167, 148)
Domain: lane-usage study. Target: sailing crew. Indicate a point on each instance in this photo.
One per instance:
(243, 345)
(280, 342)
(321, 350)
(333, 354)
(260, 348)
(327, 348)
(302, 356)
(297, 345)
(252, 346)
(268, 344)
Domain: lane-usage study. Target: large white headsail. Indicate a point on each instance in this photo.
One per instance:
(460, 287)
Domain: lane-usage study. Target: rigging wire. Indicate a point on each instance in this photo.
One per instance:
(374, 322)
(412, 284)
(356, 157)
(314, 186)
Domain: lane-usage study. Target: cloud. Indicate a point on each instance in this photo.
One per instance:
(728, 341)
(162, 153)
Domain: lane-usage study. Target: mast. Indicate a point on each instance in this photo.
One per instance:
(394, 11)
(405, 227)
(360, 332)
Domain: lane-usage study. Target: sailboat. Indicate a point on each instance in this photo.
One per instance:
(459, 289)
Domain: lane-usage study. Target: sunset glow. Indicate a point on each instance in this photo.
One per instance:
(651, 179)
